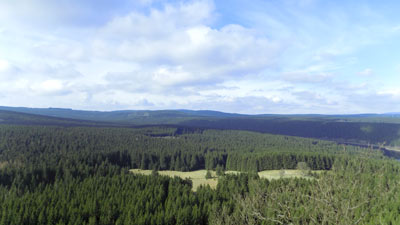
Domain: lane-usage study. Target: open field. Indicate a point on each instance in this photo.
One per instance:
(198, 176)
(277, 174)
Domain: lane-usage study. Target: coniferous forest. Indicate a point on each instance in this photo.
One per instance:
(80, 175)
(199, 112)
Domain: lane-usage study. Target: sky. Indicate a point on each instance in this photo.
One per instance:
(270, 56)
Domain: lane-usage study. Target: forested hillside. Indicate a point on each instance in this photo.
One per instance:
(167, 148)
(17, 118)
(79, 175)
(132, 117)
(375, 129)
(357, 132)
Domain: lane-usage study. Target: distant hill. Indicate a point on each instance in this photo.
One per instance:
(143, 117)
(137, 117)
(393, 114)
(358, 128)
(354, 132)
(18, 118)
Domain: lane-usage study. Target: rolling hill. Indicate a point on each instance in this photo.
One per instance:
(358, 128)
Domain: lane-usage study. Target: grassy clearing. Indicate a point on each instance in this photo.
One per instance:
(198, 176)
(393, 148)
(3, 164)
(277, 174)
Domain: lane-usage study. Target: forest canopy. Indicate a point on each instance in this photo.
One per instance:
(80, 175)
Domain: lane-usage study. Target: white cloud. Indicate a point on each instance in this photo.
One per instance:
(171, 76)
(392, 92)
(279, 57)
(48, 86)
(307, 77)
(61, 49)
(366, 72)
(4, 65)
(276, 99)
(162, 22)
(175, 46)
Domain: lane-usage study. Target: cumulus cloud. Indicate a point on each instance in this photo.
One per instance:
(162, 22)
(175, 45)
(263, 57)
(177, 53)
(49, 87)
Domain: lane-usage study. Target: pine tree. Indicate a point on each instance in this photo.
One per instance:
(208, 175)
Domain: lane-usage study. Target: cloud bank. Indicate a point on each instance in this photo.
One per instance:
(258, 57)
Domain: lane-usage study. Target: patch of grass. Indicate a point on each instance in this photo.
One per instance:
(277, 174)
(198, 177)
(3, 164)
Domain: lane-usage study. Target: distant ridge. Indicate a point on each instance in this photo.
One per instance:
(21, 118)
(148, 117)
(125, 116)
(358, 128)
(392, 113)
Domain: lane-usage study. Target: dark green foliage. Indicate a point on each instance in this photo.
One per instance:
(79, 175)
(304, 168)
(360, 129)
(154, 172)
(162, 148)
(356, 192)
(220, 170)
(125, 198)
(356, 132)
(208, 175)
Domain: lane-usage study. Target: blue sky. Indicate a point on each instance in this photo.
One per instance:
(282, 56)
